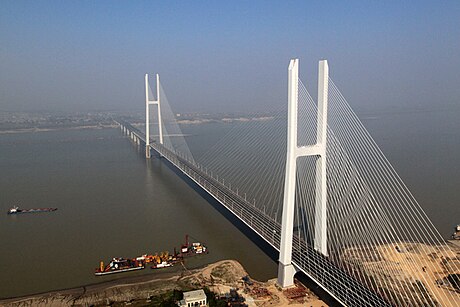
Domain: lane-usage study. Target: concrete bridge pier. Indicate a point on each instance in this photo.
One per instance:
(286, 274)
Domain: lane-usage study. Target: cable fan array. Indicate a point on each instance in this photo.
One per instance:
(377, 232)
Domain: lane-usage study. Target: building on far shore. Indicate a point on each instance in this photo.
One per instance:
(195, 298)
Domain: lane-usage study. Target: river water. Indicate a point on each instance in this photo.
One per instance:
(112, 202)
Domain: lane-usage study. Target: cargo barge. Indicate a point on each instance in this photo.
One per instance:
(16, 210)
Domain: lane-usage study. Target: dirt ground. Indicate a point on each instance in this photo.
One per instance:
(399, 267)
(220, 277)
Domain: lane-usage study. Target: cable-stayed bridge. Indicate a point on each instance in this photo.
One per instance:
(316, 187)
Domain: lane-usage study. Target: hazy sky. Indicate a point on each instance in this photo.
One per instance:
(225, 55)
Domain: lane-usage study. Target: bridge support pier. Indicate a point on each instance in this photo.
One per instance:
(286, 274)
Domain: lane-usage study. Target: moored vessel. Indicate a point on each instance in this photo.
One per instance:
(118, 265)
(191, 249)
(163, 264)
(157, 261)
(456, 234)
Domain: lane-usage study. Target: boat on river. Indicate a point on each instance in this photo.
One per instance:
(192, 249)
(16, 210)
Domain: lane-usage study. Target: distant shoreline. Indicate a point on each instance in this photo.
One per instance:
(34, 130)
(114, 125)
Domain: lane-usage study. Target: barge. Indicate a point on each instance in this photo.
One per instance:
(16, 210)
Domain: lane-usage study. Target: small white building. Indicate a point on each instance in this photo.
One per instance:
(195, 298)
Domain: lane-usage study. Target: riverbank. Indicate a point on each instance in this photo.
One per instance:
(219, 277)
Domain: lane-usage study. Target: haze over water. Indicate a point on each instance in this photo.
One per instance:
(112, 202)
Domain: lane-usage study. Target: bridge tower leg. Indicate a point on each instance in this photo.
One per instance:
(160, 122)
(286, 270)
(320, 241)
(147, 114)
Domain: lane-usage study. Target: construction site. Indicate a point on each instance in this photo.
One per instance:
(399, 269)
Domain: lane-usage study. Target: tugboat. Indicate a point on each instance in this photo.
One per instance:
(163, 264)
(16, 210)
(456, 234)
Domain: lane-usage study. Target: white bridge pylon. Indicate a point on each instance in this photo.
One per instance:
(147, 114)
(286, 270)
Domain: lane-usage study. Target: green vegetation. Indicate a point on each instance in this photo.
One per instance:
(167, 299)
(212, 300)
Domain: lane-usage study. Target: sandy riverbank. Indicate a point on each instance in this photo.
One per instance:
(220, 277)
